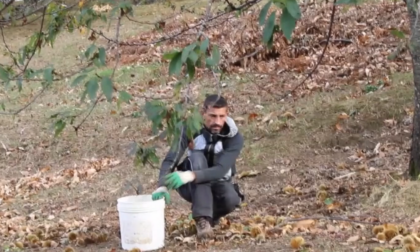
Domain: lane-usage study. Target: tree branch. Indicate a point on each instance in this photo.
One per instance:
(26, 105)
(6, 5)
(320, 57)
(244, 6)
(38, 40)
(117, 35)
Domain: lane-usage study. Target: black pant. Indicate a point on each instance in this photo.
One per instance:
(210, 199)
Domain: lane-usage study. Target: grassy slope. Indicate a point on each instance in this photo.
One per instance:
(296, 152)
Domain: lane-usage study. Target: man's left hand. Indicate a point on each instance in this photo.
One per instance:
(178, 178)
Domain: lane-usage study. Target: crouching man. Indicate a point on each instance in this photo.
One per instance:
(204, 178)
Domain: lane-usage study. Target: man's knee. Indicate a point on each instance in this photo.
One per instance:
(185, 193)
(229, 201)
(198, 160)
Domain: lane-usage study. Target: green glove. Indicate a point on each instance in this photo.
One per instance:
(162, 192)
(178, 178)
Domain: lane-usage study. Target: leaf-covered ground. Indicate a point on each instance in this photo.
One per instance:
(325, 167)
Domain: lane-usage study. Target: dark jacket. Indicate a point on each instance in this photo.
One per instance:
(229, 143)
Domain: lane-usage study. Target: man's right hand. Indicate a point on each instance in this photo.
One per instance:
(162, 192)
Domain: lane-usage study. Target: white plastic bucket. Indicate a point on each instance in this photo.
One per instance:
(142, 222)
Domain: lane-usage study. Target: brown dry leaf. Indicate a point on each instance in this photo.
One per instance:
(252, 116)
(45, 169)
(288, 115)
(289, 190)
(338, 127)
(239, 119)
(71, 208)
(248, 174)
(390, 122)
(343, 116)
(353, 238)
(334, 205)
(304, 225)
(267, 118)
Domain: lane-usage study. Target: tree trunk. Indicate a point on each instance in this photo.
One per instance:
(414, 165)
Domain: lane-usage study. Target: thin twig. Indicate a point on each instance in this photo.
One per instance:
(206, 20)
(244, 6)
(24, 69)
(7, 5)
(26, 105)
(4, 41)
(3, 23)
(38, 40)
(320, 57)
(117, 35)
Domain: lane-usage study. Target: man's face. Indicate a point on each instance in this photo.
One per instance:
(215, 118)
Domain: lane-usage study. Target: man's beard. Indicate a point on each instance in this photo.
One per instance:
(215, 129)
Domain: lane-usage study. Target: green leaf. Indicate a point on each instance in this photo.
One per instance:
(78, 79)
(287, 24)
(209, 62)
(170, 55)
(178, 86)
(193, 56)
(186, 51)
(263, 13)
(216, 54)
(48, 75)
(398, 33)
(124, 96)
(19, 83)
(190, 68)
(328, 201)
(280, 3)
(2, 106)
(92, 88)
(107, 88)
(4, 74)
(346, 2)
(102, 56)
(176, 64)
(293, 9)
(59, 127)
(204, 45)
(269, 27)
(90, 50)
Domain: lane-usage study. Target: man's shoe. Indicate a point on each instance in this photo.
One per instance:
(204, 229)
(215, 222)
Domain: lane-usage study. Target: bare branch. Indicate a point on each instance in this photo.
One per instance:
(244, 6)
(7, 5)
(320, 57)
(26, 105)
(26, 15)
(4, 41)
(38, 40)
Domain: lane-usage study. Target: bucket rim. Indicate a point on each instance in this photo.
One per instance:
(125, 199)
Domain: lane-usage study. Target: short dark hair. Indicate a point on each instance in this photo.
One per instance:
(215, 101)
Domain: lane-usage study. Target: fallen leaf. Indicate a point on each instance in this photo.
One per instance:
(71, 208)
(252, 116)
(248, 174)
(343, 116)
(353, 238)
(288, 115)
